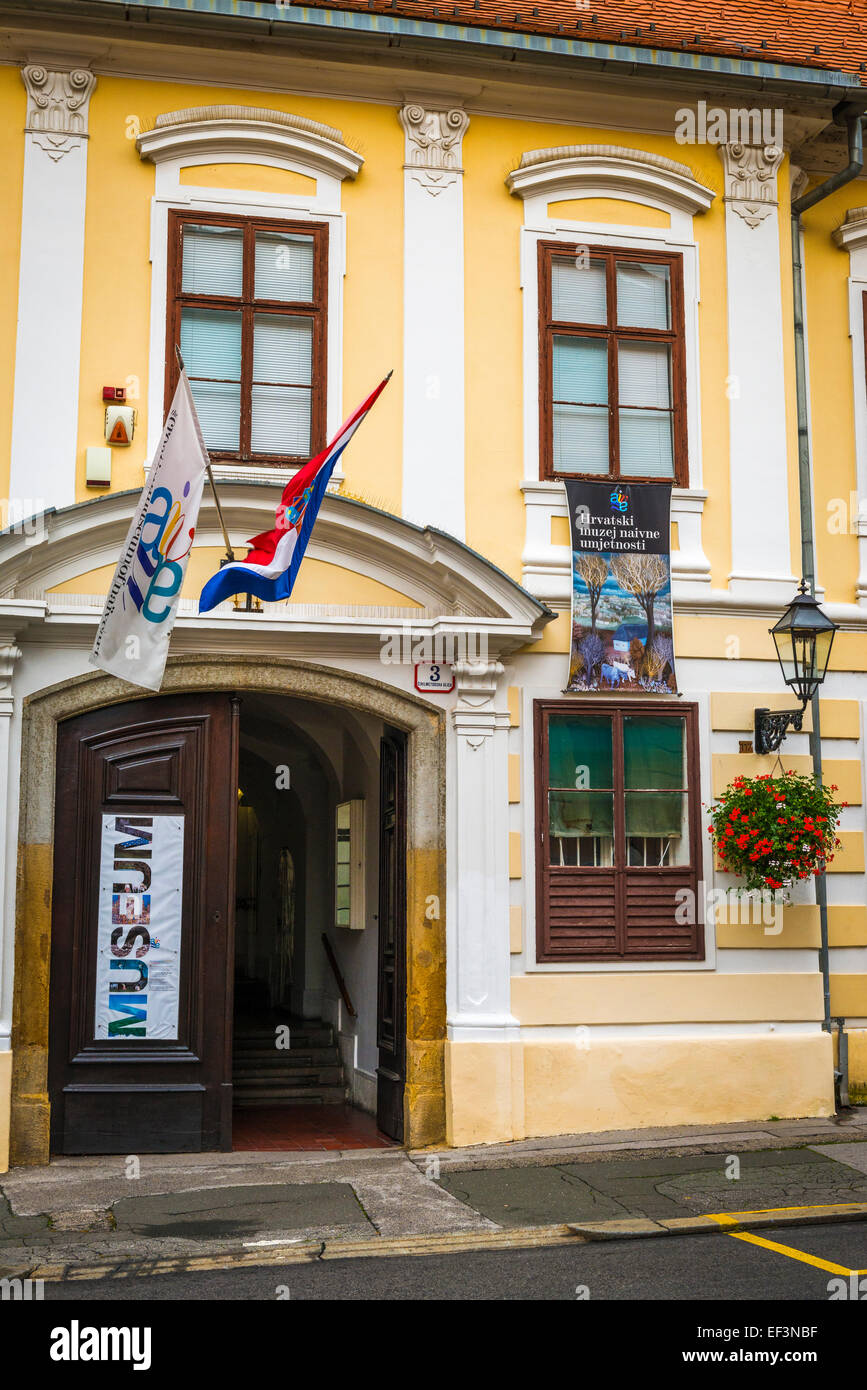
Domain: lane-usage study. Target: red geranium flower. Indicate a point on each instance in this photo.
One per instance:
(764, 847)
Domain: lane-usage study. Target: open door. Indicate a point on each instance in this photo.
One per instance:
(142, 935)
(391, 1007)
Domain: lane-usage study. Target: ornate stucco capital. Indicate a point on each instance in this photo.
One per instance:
(433, 145)
(474, 715)
(9, 656)
(57, 107)
(751, 179)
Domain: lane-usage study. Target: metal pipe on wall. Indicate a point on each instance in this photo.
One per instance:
(816, 195)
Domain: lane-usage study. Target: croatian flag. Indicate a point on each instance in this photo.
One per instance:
(271, 566)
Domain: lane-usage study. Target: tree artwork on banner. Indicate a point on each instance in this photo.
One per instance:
(622, 633)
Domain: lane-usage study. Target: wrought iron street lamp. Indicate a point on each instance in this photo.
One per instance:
(803, 639)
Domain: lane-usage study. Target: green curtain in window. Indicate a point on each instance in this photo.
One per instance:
(653, 753)
(580, 742)
(580, 756)
(653, 757)
(653, 761)
(654, 813)
(581, 813)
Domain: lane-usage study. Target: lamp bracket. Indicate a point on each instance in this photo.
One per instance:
(771, 727)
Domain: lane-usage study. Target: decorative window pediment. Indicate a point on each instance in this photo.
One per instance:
(227, 132)
(851, 235)
(588, 170)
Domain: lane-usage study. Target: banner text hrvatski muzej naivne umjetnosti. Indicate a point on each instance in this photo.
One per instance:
(622, 637)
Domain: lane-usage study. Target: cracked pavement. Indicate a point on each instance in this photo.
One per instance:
(664, 1186)
(87, 1211)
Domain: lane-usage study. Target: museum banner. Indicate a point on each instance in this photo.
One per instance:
(138, 954)
(132, 637)
(622, 635)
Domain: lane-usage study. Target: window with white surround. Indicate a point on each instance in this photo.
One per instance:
(611, 373)
(248, 309)
(248, 281)
(639, 400)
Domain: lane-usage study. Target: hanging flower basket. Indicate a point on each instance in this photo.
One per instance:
(773, 831)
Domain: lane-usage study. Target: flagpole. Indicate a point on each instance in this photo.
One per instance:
(230, 554)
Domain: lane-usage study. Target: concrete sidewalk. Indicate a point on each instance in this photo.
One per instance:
(128, 1213)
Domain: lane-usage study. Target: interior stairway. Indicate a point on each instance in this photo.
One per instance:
(307, 1072)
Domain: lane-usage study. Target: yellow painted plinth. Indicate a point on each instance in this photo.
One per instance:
(496, 1092)
(5, 1107)
(857, 1065)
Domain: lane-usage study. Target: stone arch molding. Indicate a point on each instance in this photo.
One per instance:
(250, 134)
(453, 588)
(599, 171)
(426, 968)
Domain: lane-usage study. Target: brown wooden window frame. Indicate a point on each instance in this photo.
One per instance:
(549, 251)
(688, 876)
(316, 309)
(864, 323)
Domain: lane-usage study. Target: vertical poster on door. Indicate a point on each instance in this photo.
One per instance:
(138, 953)
(622, 635)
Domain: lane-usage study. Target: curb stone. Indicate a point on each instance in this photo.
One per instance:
(727, 1222)
(452, 1243)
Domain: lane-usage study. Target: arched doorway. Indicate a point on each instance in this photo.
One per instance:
(354, 710)
(316, 1044)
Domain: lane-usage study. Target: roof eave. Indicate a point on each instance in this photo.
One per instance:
(366, 28)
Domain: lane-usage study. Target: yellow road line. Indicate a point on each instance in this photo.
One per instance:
(731, 1218)
(794, 1254)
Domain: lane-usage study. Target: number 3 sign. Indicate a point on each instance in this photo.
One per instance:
(430, 676)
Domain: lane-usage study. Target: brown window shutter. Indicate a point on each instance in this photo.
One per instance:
(579, 914)
(653, 910)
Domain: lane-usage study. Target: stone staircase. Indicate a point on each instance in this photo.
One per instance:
(308, 1072)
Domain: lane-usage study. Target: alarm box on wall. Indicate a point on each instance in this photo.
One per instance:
(119, 424)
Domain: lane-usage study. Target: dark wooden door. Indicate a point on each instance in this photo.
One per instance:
(142, 950)
(391, 1007)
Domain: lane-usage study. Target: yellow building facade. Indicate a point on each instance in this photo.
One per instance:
(429, 183)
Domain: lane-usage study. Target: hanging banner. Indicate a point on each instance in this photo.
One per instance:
(138, 953)
(622, 635)
(132, 639)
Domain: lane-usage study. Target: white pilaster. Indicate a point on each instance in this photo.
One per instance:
(433, 429)
(761, 555)
(45, 403)
(478, 947)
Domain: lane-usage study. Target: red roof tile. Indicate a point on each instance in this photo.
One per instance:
(814, 33)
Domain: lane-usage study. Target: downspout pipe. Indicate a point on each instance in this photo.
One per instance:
(805, 482)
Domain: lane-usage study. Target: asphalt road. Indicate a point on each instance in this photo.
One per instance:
(710, 1268)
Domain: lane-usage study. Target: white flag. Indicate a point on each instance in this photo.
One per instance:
(132, 640)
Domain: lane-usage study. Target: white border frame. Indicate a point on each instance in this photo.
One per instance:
(545, 565)
(857, 288)
(679, 240)
(526, 963)
(323, 206)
